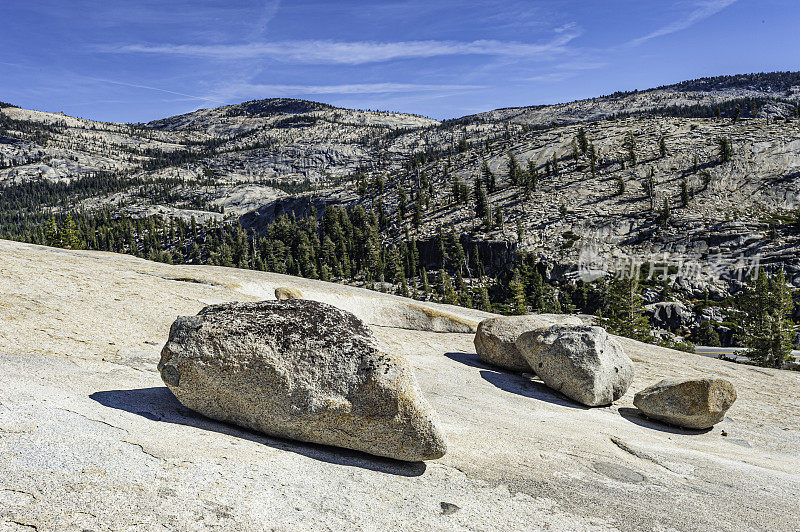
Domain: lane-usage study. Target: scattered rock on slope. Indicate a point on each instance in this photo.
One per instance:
(691, 403)
(282, 293)
(303, 370)
(496, 337)
(584, 363)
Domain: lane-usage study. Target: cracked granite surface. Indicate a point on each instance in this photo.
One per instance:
(91, 439)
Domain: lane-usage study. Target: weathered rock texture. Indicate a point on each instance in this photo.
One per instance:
(584, 363)
(302, 370)
(691, 403)
(495, 340)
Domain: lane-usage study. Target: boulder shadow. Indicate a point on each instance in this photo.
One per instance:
(514, 382)
(634, 415)
(158, 404)
(469, 359)
(521, 385)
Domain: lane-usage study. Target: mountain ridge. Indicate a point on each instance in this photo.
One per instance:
(764, 83)
(685, 176)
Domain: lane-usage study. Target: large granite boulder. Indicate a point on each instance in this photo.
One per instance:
(495, 340)
(582, 362)
(303, 370)
(691, 403)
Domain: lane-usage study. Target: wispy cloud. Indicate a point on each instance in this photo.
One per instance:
(702, 10)
(355, 52)
(148, 87)
(552, 77)
(244, 90)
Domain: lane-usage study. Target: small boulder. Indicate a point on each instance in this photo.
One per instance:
(283, 293)
(495, 340)
(582, 362)
(302, 370)
(690, 403)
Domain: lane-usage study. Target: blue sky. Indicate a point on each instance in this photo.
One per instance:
(133, 61)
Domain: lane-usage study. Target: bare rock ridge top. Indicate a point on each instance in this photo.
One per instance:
(90, 438)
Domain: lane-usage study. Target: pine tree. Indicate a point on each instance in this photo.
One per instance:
(533, 175)
(373, 267)
(416, 216)
(446, 289)
(684, 194)
(593, 160)
(516, 298)
(52, 233)
(620, 185)
(456, 191)
(665, 214)
(555, 165)
(488, 221)
(725, 150)
(624, 310)
(662, 147)
(404, 287)
(225, 256)
(402, 201)
(484, 303)
(649, 185)
(630, 147)
(706, 335)
(535, 290)
(380, 183)
(488, 178)
(513, 169)
(426, 287)
(455, 251)
(394, 267)
(766, 331)
(70, 237)
(583, 142)
(480, 200)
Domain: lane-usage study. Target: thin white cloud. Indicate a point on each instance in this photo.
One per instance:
(268, 12)
(147, 87)
(353, 53)
(552, 77)
(245, 90)
(582, 65)
(703, 10)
